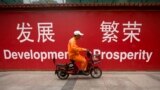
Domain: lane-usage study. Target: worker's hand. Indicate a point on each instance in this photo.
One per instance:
(85, 49)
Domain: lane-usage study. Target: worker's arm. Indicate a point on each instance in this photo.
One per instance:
(76, 48)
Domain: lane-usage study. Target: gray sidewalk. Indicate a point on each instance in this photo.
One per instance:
(47, 80)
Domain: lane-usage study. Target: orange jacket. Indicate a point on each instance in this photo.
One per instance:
(73, 49)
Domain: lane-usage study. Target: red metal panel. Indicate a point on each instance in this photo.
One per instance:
(23, 48)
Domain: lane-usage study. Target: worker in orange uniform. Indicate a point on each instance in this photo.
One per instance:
(74, 51)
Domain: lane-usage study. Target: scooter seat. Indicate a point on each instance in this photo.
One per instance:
(72, 61)
(61, 64)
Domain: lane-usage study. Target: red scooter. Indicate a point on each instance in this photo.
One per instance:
(64, 70)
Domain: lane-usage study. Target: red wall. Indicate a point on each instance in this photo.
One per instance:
(23, 53)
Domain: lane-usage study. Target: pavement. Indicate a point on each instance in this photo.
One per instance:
(47, 80)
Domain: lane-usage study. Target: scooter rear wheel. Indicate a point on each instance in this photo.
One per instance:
(96, 72)
(62, 74)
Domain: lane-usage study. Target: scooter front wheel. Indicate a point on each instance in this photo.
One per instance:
(62, 74)
(96, 72)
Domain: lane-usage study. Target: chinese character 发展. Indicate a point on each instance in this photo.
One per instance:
(45, 32)
(25, 32)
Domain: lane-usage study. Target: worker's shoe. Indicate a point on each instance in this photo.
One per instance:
(83, 72)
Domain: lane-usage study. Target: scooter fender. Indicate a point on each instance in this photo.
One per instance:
(60, 67)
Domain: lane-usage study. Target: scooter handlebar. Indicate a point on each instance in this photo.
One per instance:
(89, 53)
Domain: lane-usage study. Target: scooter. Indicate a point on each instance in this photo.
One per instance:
(64, 70)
